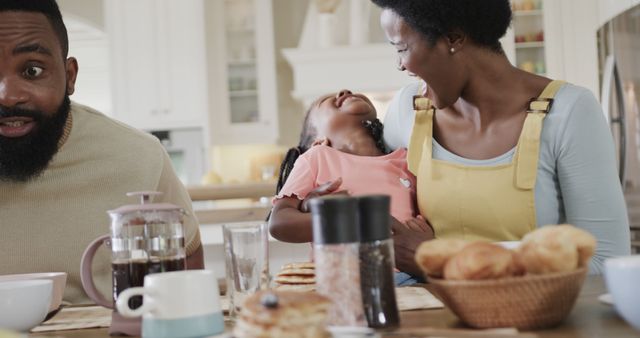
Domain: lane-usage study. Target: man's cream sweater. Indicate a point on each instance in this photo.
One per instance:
(47, 223)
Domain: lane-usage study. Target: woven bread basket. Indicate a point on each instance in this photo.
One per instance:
(528, 302)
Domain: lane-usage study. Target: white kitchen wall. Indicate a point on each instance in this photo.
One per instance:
(90, 10)
(579, 50)
(573, 36)
(88, 44)
(576, 31)
(289, 16)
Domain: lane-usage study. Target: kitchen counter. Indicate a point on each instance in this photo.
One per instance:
(253, 190)
(224, 203)
(219, 204)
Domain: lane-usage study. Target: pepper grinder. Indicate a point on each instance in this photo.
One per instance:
(377, 262)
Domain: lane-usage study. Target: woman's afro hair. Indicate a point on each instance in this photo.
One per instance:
(483, 21)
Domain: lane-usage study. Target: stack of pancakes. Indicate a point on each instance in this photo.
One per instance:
(283, 314)
(296, 277)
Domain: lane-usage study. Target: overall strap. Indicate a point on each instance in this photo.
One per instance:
(422, 133)
(528, 151)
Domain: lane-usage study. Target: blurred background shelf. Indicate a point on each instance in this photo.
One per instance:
(247, 30)
(243, 93)
(224, 203)
(241, 63)
(534, 12)
(532, 44)
(231, 191)
(528, 35)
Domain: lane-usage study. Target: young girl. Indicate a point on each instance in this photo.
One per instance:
(341, 150)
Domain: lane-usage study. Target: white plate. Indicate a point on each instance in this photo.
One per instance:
(606, 299)
(352, 332)
(509, 244)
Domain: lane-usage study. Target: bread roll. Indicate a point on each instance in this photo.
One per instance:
(481, 260)
(559, 248)
(432, 255)
(584, 241)
(517, 267)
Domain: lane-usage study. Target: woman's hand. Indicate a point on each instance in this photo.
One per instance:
(418, 223)
(325, 189)
(406, 239)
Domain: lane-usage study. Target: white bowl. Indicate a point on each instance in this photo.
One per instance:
(24, 304)
(59, 280)
(622, 275)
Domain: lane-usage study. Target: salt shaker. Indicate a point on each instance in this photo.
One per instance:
(377, 262)
(336, 236)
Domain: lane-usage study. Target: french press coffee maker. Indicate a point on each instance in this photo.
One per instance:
(145, 238)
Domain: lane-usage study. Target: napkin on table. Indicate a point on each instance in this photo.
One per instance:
(77, 317)
(416, 298)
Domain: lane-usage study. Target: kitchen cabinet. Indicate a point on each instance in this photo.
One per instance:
(556, 39)
(158, 60)
(242, 78)
(536, 37)
(528, 27)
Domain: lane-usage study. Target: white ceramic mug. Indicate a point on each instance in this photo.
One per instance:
(176, 304)
(622, 275)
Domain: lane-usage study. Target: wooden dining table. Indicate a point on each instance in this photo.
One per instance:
(589, 318)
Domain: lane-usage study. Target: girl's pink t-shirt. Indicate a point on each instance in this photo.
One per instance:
(361, 175)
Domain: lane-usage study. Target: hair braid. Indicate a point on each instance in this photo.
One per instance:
(376, 129)
(286, 167)
(307, 137)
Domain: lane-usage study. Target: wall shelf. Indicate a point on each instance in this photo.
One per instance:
(535, 12)
(241, 63)
(238, 31)
(344, 67)
(243, 93)
(532, 44)
(529, 35)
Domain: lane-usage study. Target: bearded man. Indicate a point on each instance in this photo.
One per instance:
(63, 165)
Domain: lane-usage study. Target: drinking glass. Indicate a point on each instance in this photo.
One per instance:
(247, 261)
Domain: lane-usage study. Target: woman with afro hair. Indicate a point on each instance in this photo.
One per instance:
(497, 151)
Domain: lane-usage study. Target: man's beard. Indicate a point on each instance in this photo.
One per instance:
(25, 158)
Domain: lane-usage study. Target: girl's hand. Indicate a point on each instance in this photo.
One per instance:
(325, 189)
(321, 142)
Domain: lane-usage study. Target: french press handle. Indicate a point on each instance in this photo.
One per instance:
(86, 276)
